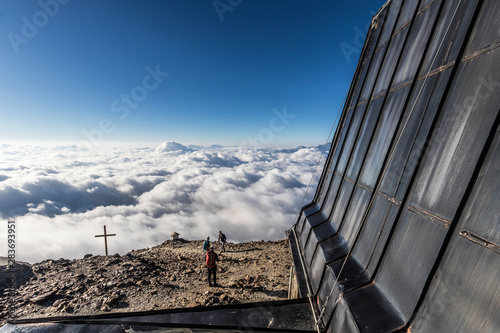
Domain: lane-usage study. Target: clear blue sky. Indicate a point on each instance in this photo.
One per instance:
(67, 70)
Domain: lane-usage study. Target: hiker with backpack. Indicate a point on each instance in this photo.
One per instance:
(206, 245)
(211, 259)
(222, 241)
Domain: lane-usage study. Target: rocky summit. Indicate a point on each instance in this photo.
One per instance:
(162, 277)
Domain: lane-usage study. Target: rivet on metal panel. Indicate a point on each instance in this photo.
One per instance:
(389, 198)
(437, 70)
(480, 241)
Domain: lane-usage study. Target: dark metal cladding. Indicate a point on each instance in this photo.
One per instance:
(342, 320)
(378, 223)
(359, 152)
(284, 316)
(407, 236)
(383, 136)
(406, 14)
(467, 278)
(450, 34)
(390, 62)
(351, 138)
(392, 11)
(417, 40)
(486, 33)
(327, 291)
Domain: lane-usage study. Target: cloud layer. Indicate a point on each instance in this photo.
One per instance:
(62, 197)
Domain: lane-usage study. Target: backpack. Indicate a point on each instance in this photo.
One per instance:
(223, 238)
(210, 259)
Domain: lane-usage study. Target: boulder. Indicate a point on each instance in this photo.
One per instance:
(43, 297)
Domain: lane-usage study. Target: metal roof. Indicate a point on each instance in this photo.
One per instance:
(404, 230)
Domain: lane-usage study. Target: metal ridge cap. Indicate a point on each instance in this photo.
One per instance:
(375, 17)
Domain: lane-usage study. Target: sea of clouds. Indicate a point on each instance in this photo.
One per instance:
(61, 197)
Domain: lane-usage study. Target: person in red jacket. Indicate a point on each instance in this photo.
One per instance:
(210, 261)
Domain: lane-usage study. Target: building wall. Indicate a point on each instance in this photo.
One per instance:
(404, 229)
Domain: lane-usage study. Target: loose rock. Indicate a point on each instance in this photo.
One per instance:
(161, 278)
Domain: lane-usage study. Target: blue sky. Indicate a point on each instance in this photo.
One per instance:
(96, 71)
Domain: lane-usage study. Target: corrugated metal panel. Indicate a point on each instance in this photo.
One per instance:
(421, 124)
(464, 295)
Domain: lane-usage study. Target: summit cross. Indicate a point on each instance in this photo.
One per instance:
(106, 239)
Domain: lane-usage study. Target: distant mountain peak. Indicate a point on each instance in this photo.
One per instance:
(171, 146)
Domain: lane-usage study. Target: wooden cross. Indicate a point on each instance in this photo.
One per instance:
(106, 239)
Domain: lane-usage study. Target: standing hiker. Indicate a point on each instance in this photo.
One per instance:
(211, 259)
(222, 242)
(206, 244)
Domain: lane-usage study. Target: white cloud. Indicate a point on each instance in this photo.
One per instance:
(61, 197)
(171, 146)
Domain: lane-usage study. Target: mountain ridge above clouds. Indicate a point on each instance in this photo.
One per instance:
(161, 277)
(173, 146)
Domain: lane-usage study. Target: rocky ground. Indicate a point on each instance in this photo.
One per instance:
(149, 279)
